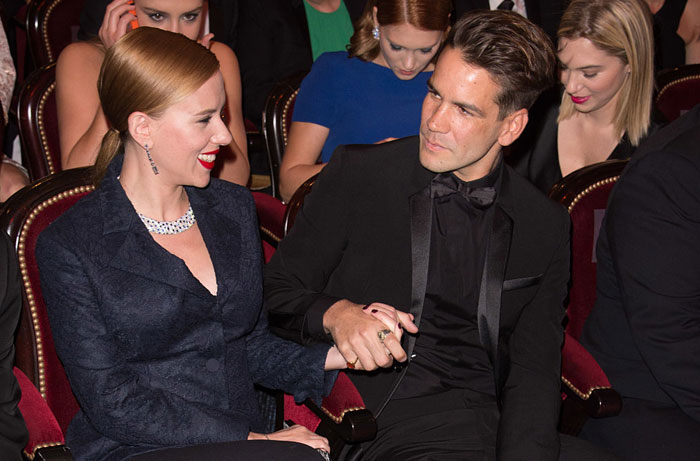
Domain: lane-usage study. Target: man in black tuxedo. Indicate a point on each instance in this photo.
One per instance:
(436, 232)
(544, 13)
(644, 330)
(13, 432)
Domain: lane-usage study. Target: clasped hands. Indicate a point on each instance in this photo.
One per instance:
(368, 337)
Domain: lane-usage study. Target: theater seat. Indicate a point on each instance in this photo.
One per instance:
(678, 91)
(586, 389)
(341, 416)
(276, 121)
(38, 123)
(51, 26)
(46, 441)
(23, 217)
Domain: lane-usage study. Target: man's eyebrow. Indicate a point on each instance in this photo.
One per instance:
(470, 108)
(461, 105)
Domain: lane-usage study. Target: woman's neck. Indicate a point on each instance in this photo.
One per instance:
(324, 6)
(655, 5)
(150, 194)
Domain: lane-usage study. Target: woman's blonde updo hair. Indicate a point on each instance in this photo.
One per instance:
(147, 70)
(621, 28)
(421, 14)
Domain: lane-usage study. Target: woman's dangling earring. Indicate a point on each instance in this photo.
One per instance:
(150, 159)
(375, 33)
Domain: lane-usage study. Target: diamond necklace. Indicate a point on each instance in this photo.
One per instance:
(181, 224)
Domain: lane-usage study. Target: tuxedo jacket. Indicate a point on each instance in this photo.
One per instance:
(273, 43)
(153, 358)
(545, 13)
(363, 234)
(13, 433)
(643, 330)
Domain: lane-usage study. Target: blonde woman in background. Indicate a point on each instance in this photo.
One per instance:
(606, 60)
(81, 122)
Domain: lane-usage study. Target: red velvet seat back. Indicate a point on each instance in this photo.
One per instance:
(270, 218)
(585, 193)
(38, 123)
(678, 91)
(51, 26)
(344, 397)
(24, 216)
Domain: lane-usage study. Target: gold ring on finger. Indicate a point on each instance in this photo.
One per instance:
(351, 365)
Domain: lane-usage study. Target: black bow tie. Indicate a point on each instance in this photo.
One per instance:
(445, 184)
(506, 5)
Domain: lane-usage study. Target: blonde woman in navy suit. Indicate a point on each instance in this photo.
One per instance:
(153, 281)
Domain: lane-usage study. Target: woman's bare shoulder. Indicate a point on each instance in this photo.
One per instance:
(223, 53)
(80, 58)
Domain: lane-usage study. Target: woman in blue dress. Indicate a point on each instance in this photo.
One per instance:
(370, 94)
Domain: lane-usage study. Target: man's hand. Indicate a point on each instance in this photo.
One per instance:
(356, 334)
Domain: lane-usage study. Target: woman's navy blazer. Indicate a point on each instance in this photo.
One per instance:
(153, 358)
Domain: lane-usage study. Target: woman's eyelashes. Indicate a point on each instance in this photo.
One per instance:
(158, 16)
(422, 50)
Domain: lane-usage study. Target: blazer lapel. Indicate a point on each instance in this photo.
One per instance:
(130, 248)
(222, 236)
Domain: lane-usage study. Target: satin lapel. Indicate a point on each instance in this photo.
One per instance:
(489, 308)
(421, 206)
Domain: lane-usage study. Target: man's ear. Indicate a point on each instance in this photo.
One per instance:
(141, 128)
(513, 126)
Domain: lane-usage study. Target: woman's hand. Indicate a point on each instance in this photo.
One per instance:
(394, 319)
(116, 21)
(335, 360)
(295, 433)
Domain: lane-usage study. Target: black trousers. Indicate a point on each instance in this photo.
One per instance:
(646, 431)
(455, 425)
(242, 450)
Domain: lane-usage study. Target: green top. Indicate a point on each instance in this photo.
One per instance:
(328, 31)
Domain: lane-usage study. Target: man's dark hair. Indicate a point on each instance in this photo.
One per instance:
(516, 53)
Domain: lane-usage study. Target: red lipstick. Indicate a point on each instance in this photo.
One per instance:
(205, 163)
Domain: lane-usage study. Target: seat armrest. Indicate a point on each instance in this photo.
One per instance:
(342, 417)
(586, 390)
(46, 439)
(55, 453)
